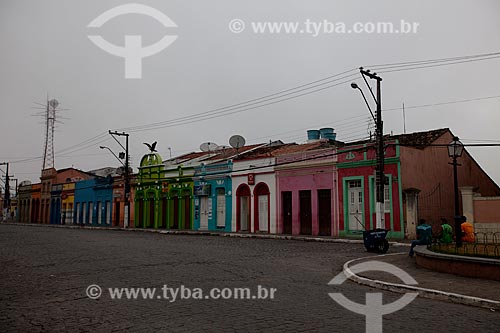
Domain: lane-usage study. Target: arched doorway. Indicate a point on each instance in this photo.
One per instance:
(243, 195)
(261, 207)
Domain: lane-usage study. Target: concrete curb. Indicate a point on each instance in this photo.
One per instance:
(207, 233)
(422, 292)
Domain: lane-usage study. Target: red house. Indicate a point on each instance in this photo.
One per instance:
(418, 183)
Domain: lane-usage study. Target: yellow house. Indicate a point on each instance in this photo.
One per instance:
(67, 201)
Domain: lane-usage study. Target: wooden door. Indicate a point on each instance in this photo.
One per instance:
(151, 221)
(187, 212)
(244, 213)
(263, 202)
(287, 212)
(175, 222)
(324, 212)
(355, 197)
(204, 213)
(305, 212)
(221, 208)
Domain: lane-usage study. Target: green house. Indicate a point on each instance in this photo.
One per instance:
(163, 196)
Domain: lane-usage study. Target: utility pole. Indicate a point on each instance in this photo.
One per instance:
(380, 156)
(6, 199)
(17, 199)
(126, 217)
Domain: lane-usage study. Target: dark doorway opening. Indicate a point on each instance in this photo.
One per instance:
(305, 212)
(287, 212)
(324, 212)
(117, 214)
(175, 222)
(187, 212)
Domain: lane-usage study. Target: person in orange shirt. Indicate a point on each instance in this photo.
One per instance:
(467, 231)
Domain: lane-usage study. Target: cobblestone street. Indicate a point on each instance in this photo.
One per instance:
(45, 272)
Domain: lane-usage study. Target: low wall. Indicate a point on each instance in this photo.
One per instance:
(474, 267)
(486, 227)
(486, 214)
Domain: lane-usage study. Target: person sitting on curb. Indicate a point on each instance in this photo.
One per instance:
(467, 230)
(446, 233)
(424, 236)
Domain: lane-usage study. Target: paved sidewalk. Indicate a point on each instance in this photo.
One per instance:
(447, 283)
(305, 238)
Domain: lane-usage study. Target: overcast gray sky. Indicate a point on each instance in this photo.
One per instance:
(46, 50)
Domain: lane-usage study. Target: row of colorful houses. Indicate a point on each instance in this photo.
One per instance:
(72, 196)
(322, 188)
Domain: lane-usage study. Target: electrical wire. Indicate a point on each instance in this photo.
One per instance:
(307, 88)
(206, 116)
(444, 103)
(431, 61)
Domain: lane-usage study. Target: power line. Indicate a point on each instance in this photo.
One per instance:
(344, 125)
(480, 140)
(445, 103)
(259, 102)
(438, 65)
(232, 110)
(239, 110)
(279, 95)
(429, 61)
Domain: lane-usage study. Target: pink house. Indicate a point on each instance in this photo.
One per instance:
(306, 190)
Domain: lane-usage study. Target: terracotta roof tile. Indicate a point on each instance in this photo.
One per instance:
(417, 138)
(420, 138)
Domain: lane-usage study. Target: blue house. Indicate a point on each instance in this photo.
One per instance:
(55, 204)
(213, 197)
(93, 198)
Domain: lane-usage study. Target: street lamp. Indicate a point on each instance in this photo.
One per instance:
(112, 152)
(455, 149)
(355, 86)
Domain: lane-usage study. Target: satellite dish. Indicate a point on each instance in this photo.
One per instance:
(53, 103)
(208, 146)
(222, 147)
(237, 141)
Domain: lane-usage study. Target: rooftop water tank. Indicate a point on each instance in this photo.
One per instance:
(313, 134)
(327, 133)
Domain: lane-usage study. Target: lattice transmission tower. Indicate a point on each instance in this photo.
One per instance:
(50, 120)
